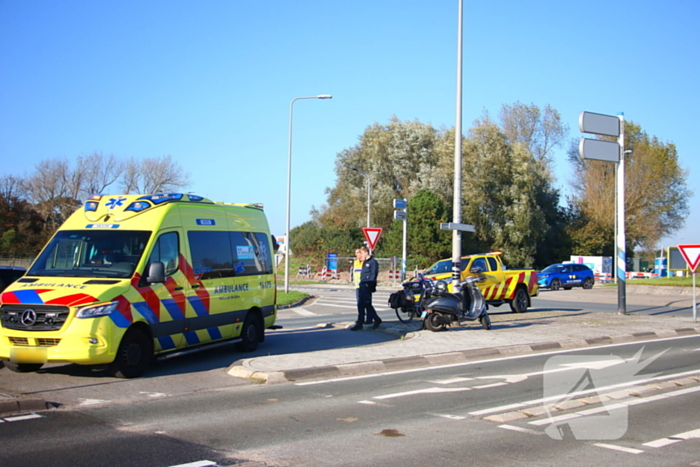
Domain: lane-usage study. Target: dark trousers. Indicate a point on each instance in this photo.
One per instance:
(364, 304)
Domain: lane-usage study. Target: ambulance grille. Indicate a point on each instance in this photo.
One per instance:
(19, 341)
(48, 342)
(33, 317)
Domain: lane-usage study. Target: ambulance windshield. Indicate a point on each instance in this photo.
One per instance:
(94, 253)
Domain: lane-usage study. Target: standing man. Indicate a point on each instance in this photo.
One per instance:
(365, 271)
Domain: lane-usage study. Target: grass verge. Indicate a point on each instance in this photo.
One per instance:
(289, 298)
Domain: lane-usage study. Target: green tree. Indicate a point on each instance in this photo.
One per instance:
(21, 228)
(656, 195)
(500, 188)
(425, 239)
(402, 157)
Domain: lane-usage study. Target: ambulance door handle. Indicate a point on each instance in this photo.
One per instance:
(179, 288)
(196, 286)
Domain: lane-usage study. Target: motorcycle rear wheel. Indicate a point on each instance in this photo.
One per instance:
(432, 322)
(405, 316)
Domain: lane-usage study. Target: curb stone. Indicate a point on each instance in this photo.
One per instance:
(424, 361)
(299, 303)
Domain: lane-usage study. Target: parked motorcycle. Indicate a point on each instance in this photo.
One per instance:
(447, 308)
(409, 302)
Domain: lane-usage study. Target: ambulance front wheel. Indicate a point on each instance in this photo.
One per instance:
(134, 355)
(250, 334)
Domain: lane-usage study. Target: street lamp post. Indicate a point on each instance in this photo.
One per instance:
(368, 175)
(287, 237)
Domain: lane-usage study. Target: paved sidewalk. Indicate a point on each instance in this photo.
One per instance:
(511, 334)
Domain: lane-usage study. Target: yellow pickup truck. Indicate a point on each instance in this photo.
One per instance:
(502, 285)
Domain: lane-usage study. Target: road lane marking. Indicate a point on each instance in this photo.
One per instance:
(500, 359)
(19, 418)
(421, 391)
(558, 397)
(197, 464)
(619, 405)
(618, 448)
(451, 380)
(659, 443)
(493, 385)
(91, 401)
(304, 312)
(520, 429)
(449, 417)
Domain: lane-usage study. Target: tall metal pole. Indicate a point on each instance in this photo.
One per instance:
(287, 236)
(369, 197)
(457, 200)
(405, 239)
(621, 254)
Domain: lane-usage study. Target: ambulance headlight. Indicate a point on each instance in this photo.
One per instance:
(95, 311)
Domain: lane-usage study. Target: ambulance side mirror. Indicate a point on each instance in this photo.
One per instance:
(156, 273)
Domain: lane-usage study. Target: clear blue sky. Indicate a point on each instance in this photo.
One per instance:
(210, 82)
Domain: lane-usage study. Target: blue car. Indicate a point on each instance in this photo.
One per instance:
(566, 276)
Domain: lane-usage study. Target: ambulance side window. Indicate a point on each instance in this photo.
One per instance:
(167, 250)
(252, 254)
(211, 254)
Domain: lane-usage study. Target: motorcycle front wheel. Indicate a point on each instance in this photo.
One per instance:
(485, 322)
(433, 322)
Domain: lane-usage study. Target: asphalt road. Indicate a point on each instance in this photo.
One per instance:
(436, 416)
(337, 304)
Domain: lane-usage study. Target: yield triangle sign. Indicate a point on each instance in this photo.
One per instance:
(371, 235)
(691, 254)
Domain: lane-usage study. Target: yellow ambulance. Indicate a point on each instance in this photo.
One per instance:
(130, 277)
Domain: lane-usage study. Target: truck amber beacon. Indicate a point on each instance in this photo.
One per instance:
(130, 277)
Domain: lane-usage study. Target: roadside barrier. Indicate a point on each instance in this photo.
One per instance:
(641, 275)
(324, 274)
(603, 277)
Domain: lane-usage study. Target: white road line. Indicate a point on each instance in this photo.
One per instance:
(91, 401)
(197, 464)
(520, 429)
(619, 405)
(368, 402)
(421, 391)
(559, 397)
(491, 360)
(451, 380)
(618, 448)
(304, 312)
(449, 417)
(659, 443)
(20, 418)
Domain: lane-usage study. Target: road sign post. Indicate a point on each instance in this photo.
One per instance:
(691, 254)
(609, 151)
(401, 214)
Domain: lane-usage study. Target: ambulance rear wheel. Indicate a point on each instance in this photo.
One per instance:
(250, 335)
(23, 367)
(134, 355)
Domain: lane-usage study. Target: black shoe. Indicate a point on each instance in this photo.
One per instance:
(357, 327)
(376, 324)
(367, 323)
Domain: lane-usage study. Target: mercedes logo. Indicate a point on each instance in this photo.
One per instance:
(28, 317)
